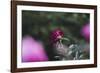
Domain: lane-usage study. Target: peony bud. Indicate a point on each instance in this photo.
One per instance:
(56, 35)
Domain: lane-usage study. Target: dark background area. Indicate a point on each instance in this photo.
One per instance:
(40, 24)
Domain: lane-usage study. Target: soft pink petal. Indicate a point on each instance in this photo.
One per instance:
(32, 50)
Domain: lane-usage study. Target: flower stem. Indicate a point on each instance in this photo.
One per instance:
(64, 39)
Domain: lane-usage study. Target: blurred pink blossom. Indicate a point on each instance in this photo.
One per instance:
(32, 50)
(85, 32)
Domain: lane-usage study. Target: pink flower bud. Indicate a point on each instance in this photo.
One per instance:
(56, 35)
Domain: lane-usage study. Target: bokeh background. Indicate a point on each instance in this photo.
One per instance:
(38, 25)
